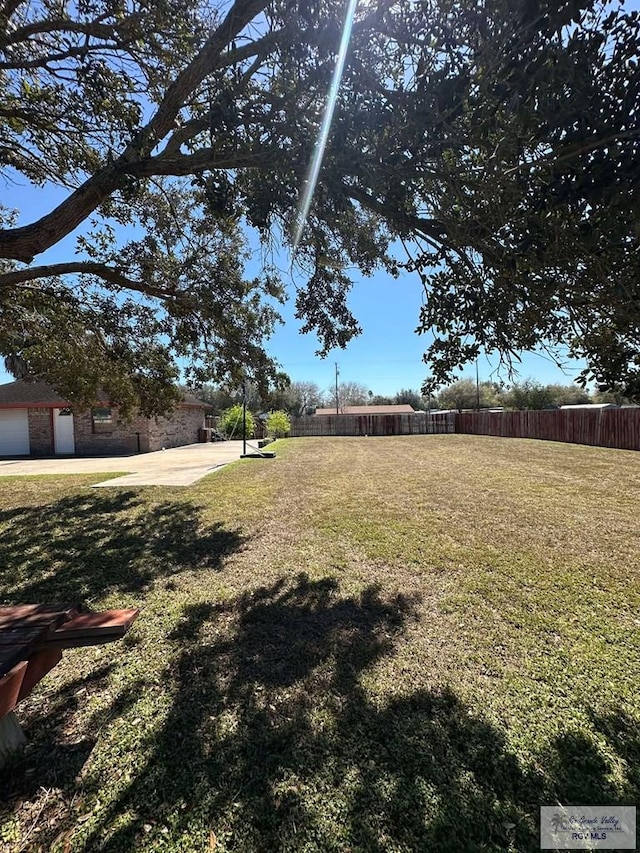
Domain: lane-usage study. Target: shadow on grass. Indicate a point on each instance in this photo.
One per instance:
(57, 758)
(276, 741)
(82, 546)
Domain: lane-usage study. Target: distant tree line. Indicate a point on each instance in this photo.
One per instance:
(528, 394)
(301, 397)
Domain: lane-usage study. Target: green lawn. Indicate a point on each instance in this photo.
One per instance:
(395, 644)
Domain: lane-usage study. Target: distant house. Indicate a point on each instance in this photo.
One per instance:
(37, 421)
(400, 409)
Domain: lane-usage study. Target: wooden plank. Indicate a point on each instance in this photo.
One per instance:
(22, 635)
(32, 638)
(85, 629)
(10, 685)
(35, 614)
(20, 681)
(12, 655)
(106, 621)
(24, 626)
(38, 665)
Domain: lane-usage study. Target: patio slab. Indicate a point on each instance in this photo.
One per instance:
(179, 466)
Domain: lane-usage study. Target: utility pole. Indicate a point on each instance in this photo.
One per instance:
(337, 399)
(477, 387)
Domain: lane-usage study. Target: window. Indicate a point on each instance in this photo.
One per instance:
(102, 420)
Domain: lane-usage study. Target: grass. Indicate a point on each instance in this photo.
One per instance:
(399, 644)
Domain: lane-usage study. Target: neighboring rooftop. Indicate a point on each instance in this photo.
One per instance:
(400, 409)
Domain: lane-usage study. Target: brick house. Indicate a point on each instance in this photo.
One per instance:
(36, 421)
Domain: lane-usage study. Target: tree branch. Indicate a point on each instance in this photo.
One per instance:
(575, 152)
(9, 7)
(432, 229)
(90, 28)
(207, 60)
(24, 243)
(45, 61)
(104, 271)
(179, 165)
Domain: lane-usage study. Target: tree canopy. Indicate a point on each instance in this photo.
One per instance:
(233, 419)
(466, 394)
(349, 394)
(498, 140)
(413, 398)
(278, 424)
(301, 397)
(530, 394)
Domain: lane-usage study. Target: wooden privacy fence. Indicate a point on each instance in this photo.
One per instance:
(603, 427)
(405, 424)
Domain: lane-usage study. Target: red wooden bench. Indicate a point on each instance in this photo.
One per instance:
(32, 638)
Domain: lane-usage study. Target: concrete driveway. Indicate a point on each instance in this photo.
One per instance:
(179, 466)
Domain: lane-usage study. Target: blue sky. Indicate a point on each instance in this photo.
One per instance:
(388, 354)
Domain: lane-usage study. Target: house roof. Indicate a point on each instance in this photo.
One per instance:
(400, 409)
(21, 394)
(34, 395)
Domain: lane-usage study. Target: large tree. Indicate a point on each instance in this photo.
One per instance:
(466, 394)
(413, 398)
(498, 140)
(536, 175)
(349, 394)
(528, 394)
(302, 396)
(568, 395)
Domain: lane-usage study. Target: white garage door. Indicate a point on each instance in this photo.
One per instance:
(14, 432)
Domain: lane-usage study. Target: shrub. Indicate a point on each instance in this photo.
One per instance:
(230, 422)
(278, 424)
